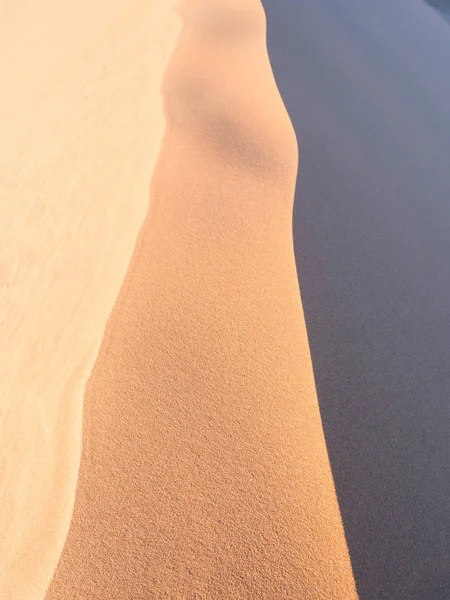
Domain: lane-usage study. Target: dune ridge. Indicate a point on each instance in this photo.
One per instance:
(80, 95)
(364, 85)
(204, 471)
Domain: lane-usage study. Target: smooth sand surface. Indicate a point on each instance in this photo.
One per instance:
(444, 15)
(204, 471)
(81, 123)
(368, 89)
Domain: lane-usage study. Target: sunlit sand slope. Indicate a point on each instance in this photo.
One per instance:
(81, 127)
(204, 471)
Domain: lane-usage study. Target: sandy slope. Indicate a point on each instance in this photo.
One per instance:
(81, 124)
(366, 84)
(204, 471)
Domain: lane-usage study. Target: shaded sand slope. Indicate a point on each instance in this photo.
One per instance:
(81, 123)
(366, 84)
(204, 472)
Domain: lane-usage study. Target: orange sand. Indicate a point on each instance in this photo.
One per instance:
(81, 127)
(204, 471)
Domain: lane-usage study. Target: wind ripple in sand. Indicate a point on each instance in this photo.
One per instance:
(204, 471)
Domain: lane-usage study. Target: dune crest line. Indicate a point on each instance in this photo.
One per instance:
(204, 471)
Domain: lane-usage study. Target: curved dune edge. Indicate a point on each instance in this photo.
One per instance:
(80, 93)
(204, 471)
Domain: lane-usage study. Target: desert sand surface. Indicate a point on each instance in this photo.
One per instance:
(442, 7)
(81, 126)
(366, 85)
(445, 15)
(204, 471)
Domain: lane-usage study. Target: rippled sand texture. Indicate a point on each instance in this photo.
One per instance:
(81, 127)
(204, 471)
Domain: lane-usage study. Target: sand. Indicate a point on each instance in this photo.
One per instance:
(81, 127)
(204, 471)
(366, 87)
(193, 462)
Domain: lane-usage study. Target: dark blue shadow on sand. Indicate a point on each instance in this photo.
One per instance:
(367, 87)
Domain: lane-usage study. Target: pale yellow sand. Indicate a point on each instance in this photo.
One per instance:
(204, 471)
(81, 124)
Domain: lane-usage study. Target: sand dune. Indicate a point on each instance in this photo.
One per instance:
(81, 126)
(204, 472)
(366, 84)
